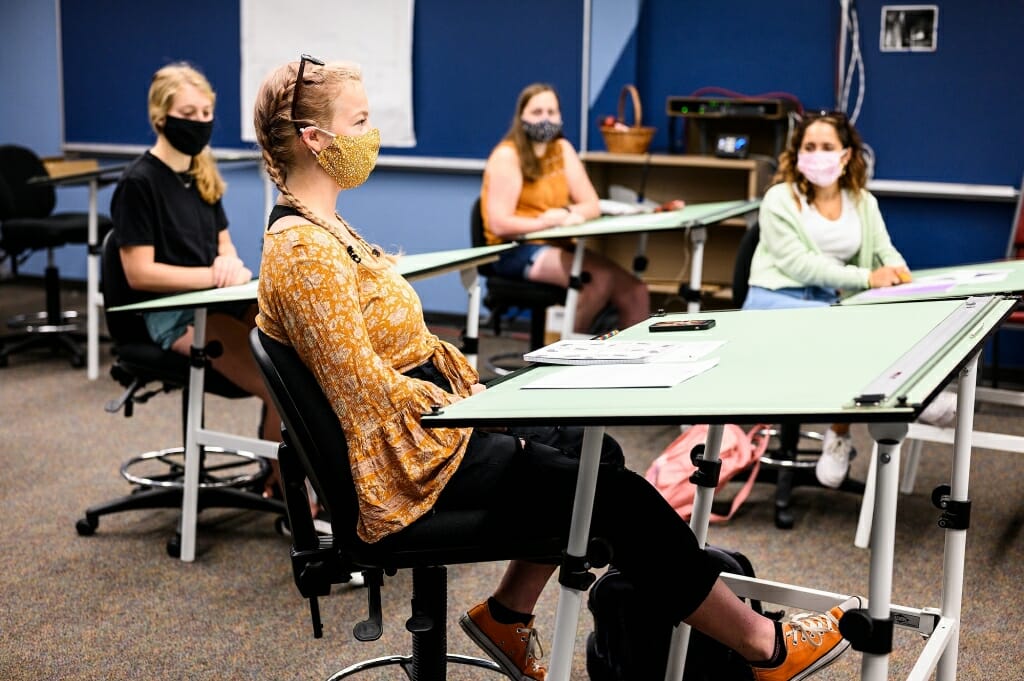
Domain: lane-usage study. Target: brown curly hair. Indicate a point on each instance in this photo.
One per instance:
(855, 174)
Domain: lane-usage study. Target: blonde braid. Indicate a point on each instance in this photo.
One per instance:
(348, 238)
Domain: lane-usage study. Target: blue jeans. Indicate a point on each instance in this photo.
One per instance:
(516, 263)
(759, 298)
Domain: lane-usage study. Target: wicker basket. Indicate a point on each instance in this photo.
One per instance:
(637, 138)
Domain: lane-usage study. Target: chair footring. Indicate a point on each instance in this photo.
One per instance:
(40, 322)
(406, 662)
(220, 468)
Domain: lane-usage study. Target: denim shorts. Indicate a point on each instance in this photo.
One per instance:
(516, 263)
(167, 326)
(759, 298)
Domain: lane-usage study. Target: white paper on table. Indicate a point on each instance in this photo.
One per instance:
(661, 375)
(592, 351)
(968, 277)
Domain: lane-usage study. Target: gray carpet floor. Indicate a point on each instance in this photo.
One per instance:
(115, 606)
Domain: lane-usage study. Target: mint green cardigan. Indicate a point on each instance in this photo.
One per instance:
(786, 257)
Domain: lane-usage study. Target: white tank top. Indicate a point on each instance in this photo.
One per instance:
(839, 238)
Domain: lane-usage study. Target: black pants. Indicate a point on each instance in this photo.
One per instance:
(530, 490)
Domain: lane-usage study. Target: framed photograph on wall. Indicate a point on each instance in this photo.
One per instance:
(909, 28)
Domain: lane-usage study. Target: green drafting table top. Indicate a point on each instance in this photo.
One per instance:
(695, 215)
(958, 281)
(412, 267)
(804, 365)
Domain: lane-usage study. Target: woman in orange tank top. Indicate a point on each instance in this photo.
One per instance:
(533, 180)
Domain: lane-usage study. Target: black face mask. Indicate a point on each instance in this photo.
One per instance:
(187, 136)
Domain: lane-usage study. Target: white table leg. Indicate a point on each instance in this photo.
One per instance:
(471, 282)
(875, 666)
(862, 539)
(698, 235)
(571, 294)
(699, 521)
(92, 299)
(570, 599)
(640, 259)
(955, 552)
(190, 492)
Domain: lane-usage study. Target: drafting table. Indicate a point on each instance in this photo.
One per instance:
(959, 281)
(94, 301)
(412, 267)
(696, 218)
(923, 350)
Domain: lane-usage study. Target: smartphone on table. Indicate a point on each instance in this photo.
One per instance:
(682, 325)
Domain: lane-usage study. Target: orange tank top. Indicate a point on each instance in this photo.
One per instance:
(550, 190)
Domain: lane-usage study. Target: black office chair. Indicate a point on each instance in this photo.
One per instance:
(504, 295)
(789, 464)
(227, 479)
(314, 448)
(28, 224)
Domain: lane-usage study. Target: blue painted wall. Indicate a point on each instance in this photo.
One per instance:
(678, 47)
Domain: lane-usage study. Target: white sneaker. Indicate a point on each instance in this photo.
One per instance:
(834, 462)
(941, 412)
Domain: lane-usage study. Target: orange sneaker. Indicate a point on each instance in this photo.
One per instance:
(813, 642)
(513, 646)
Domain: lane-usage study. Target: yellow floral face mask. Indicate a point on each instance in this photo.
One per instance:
(350, 159)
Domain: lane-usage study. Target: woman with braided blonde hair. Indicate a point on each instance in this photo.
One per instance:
(358, 325)
(173, 233)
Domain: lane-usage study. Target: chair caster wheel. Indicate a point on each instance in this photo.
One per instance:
(86, 527)
(77, 362)
(174, 546)
(281, 526)
(784, 519)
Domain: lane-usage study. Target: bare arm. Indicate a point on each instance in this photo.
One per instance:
(504, 184)
(581, 189)
(144, 273)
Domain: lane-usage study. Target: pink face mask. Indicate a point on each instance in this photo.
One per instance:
(821, 168)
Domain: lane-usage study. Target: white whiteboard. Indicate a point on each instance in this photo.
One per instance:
(376, 35)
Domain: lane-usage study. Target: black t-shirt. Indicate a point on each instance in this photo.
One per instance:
(155, 206)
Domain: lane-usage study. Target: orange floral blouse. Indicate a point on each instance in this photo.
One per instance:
(359, 329)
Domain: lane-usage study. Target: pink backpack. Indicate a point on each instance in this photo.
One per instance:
(741, 451)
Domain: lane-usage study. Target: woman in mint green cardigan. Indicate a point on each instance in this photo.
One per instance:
(821, 231)
(822, 235)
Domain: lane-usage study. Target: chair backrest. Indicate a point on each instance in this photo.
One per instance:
(123, 327)
(311, 424)
(741, 270)
(1015, 249)
(476, 234)
(315, 437)
(21, 199)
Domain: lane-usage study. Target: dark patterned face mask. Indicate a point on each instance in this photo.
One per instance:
(542, 131)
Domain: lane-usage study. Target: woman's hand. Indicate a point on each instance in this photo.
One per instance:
(228, 270)
(553, 217)
(477, 388)
(888, 276)
(561, 217)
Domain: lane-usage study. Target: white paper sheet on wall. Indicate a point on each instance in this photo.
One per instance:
(376, 35)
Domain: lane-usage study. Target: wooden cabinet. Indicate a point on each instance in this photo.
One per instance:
(695, 179)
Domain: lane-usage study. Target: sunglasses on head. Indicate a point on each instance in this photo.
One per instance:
(298, 85)
(837, 116)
